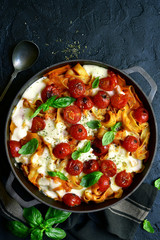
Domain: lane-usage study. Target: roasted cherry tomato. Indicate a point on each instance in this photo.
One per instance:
(84, 102)
(101, 99)
(49, 91)
(78, 132)
(71, 199)
(72, 114)
(61, 150)
(108, 83)
(38, 124)
(119, 100)
(98, 148)
(130, 143)
(141, 115)
(123, 179)
(74, 167)
(103, 183)
(90, 166)
(108, 168)
(110, 73)
(76, 88)
(15, 146)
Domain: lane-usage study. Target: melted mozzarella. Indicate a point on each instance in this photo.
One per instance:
(96, 71)
(85, 156)
(33, 92)
(84, 120)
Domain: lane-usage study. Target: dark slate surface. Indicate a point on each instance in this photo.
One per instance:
(120, 33)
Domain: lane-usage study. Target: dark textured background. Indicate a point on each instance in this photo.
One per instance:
(120, 33)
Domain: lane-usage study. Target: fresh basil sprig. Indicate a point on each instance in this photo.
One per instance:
(108, 137)
(30, 147)
(147, 226)
(39, 225)
(90, 179)
(58, 174)
(95, 83)
(86, 148)
(94, 124)
(157, 183)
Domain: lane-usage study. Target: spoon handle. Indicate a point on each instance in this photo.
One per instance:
(14, 74)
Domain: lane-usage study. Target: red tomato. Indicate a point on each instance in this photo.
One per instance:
(61, 150)
(119, 100)
(90, 166)
(103, 183)
(98, 148)
(108, 83)
(78, 132)
(84, 102)
(49, 91)
(15, 146)
(72, 114)
(130, 143)
(71, 199)
(76, 88)
(123, 179)
(74, 167)
(101, 99)
(38, 124)
(108, 168)
(110, 73)
(141, 115)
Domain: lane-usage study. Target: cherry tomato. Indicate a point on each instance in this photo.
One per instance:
(108, 168)
(76, 88)
(71, 199)
(61, 150)
(38, 124)
(72, 114)
(74, 167)
(130, 143)
(49, 91)
(101, 99)
(98, 148)
(15, 146)
(84, 102)
(141, 115)
(103, 183)
(108, 83)
(90, 166)
(78, 132)
(123, 179)
(119, 100)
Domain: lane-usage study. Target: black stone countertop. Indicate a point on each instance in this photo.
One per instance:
(121, 33)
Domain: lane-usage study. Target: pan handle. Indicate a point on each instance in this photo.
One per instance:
(147, 77)
(14, 195)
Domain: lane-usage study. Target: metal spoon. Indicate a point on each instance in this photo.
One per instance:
(23, 57)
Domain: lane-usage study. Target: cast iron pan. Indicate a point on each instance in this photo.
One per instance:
(138, 179)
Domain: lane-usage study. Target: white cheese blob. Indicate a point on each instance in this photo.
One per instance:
(85, 156)
(96, 71)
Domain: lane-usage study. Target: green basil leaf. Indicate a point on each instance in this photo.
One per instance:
(30, 147)
(76, 155)
(18, 229)
(108, 137)
(94, 124)
(63, 102)
(55, 233)
(37, 234)
(58, 174)
(37, 111)
(59, 215)
(90, 179)
(157, 183)
(116, 126)
(33, 216)
(147, 226)
(95, 83)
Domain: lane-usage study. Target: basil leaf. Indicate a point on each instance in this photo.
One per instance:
(30, 147)
(59, 215)
(116, 126)
(37, 234)
(94, 124)
(108, 137)
(95, 83)
(55, 233)
(147, 226)
(157, 183)
(62, 102)
(77, 154)
(33, 216)
(18, 229)
(90, 179)
(58, 174)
